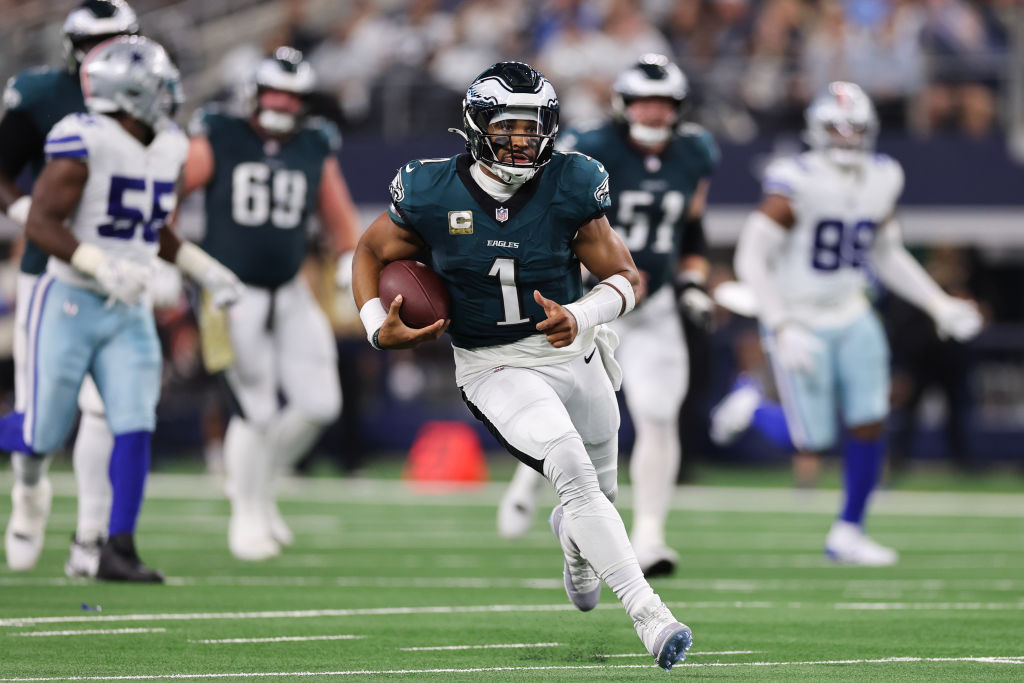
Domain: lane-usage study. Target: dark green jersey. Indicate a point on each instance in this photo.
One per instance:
(492, 255)
(46, 96)
(650, 193)
(261, 195)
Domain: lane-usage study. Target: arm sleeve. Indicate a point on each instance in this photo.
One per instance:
(760, 241)
(694, 241)
(20, 140)
(901, 273)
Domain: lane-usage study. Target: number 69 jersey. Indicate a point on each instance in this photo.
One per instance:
(130, 190)
(819, 273)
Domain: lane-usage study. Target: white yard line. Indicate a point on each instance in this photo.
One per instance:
(1019, 660)
(688, 654)
(276, 639)
(479, 647)
(91, 632)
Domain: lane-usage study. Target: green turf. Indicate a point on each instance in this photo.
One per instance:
(400, 569)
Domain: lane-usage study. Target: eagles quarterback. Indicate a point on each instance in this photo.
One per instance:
(34, 101)
(660, 169)
(827, 215)
(264, 175)
(506, 227)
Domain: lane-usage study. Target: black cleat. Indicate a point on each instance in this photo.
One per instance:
(120, 562)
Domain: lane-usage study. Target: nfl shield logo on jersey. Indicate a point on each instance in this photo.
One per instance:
(501, 214)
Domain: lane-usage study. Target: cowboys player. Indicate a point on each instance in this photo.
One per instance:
(265, 174)
(826, 215)
(34, 101)
(507, 226)
(660, 172)
(99, 210)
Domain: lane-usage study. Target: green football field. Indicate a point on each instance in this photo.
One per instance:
(387, 582)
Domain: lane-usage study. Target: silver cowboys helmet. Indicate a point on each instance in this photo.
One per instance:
(285, 71)
(92, 22)
(504, 92)
(842, 122)
(134, 75)
(652, 76)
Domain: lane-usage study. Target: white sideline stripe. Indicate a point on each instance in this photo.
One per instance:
(276, 639)
(488, 669)
(478, 609)
(479, 647)
(688, 654)
(91, 632)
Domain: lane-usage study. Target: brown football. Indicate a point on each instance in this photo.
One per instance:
(424, 296)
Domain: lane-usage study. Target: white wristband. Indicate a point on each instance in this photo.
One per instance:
(87, 258)
(373, 316)
(18, 210)
(611, 298)
(193, 261)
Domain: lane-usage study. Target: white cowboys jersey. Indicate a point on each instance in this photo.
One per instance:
(819, 273)
(130, 191)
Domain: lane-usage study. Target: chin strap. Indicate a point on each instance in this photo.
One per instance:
(510, 176)
(647, 135)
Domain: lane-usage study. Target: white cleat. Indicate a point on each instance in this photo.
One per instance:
(279, 529)
(250, 538)
(847, 543)
(656, 560)
(665, 638)
(515, 515)
(84, 558)
(582, 584)
(733, 414)
(26, 530)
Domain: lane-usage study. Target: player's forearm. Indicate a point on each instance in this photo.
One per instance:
(902, 274)
(611, 298)
(366, 267)
(759, 241)
(49, 234)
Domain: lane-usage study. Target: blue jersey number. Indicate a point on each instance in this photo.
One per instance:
(838, 244)
(125, 219)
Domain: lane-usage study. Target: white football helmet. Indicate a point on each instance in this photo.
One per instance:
(285, 71)
(92, 22)
(506, 91)
(842, 122)
(134, 75)
(653, 76)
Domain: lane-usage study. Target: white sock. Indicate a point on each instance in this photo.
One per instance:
(290, 435)
(525, 484)
(595, 526)
(653, 468)
(246, 464)
(91, 460)
(28, 469)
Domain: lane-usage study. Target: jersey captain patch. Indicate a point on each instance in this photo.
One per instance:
(460, 222)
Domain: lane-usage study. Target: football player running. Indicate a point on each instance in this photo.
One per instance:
(99, 210)
(506, 227)
(827, 214)
(265, 174)
(660, 172)
(34, 101)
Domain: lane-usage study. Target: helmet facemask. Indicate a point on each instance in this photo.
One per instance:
(653, 77)
(284, 72)
(842, 124)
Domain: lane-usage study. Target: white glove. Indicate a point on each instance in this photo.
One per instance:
(223, 285)
(123, 280)
(165, 284)
(343, 275)
(797, 349)
(958, 319)
(18, 210)
(697, 306)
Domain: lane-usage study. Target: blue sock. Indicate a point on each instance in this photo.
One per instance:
(862, 465)
(129, 465)
(12, 433)
(770, 422)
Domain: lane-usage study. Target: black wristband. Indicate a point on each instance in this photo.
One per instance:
(375, 342)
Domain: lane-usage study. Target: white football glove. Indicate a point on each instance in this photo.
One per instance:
(123, 280)
(343, 275)
(165, 284)
(958, 319)
(697, 306)
(797, 349)
(223, 285)
(18, 210)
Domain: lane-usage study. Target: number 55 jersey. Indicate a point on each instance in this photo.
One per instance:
(130, 191)
(819, 272)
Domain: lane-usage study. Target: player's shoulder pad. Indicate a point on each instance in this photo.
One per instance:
(891, 170)
(701, 142)
(579, 170)
(30, 87)
(786, 175)
(73, 135)
(582, 138)
(417, 175)
(208, 118)
(325, 131)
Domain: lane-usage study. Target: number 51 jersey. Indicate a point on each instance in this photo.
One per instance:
(819, 273)
(261, 195)
(130, 190)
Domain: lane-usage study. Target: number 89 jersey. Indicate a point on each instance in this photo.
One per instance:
(130, 190)
(261, 195)
(837, 215)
